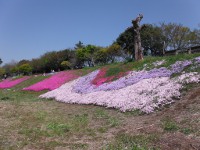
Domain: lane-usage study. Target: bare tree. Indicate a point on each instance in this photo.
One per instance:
(137, 38)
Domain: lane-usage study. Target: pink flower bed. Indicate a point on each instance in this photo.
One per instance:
(8, 83)
(100, 78)
(53, 82)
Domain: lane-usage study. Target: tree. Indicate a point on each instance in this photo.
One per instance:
(25, 69)
(176, 36)
(1, 61)
(14, 70)
(125, 40)
(8, 67)
(23, 61)
(86, 55)
(79, 45)
(66, 65)
(152, 40)
(2, 71)
(101, 56)
(113, 51)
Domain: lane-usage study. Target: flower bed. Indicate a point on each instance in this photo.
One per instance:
(101, 77)
(84, 85)
(8, 83)
(197, 60)
(143, 90)
(53, 82)
(145, 95)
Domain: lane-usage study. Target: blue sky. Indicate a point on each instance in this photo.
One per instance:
(29, 28)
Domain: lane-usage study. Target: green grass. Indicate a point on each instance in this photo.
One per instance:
(132, 142)
(169, 125)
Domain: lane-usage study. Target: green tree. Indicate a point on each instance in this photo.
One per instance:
(66, 65)
(177, 36)
(9, 66)
(2, 72)
(113, 51)
(125, 40)
(79, 45)
(152, 40)
(25, 69)
(1, 61)
(15, 70)
(101, 56)
(86, 55)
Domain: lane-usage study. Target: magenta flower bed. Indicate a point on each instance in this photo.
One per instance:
(8, 83)
(100, 78)
(53, 82)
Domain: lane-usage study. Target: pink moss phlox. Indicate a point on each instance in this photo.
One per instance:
(100, 78)
(9, 83)
(53, 82)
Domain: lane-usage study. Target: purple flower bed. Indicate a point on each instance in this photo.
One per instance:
(8, 83)
(197, 60)
(53, 82)
(84, 85)
(179, 66)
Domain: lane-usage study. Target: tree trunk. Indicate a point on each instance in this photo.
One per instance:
(137, 38)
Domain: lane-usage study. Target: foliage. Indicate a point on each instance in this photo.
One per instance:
(1, 61)
(158, 38)
(25, 69)
(86, 55)
(178, 36)
(101, 56)
(52, 61)
(66, 64)
(152, 40)
(2, 71)
(125, 40)
(113, 51)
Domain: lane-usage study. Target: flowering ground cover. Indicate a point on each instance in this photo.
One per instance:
(102, 78)
(8, 83)
(53, 81)
(142, 90)
(84, 85)
(145, 95)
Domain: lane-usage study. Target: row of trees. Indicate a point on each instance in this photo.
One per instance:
(154, 38)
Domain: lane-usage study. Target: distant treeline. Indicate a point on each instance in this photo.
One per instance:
(155, 40)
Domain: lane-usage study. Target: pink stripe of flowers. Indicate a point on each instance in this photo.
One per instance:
(100, 78)
(53, 82)
(8, 83)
